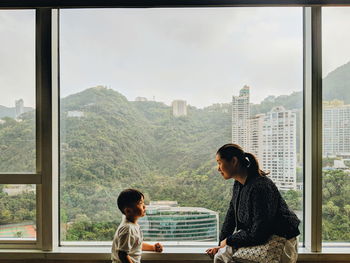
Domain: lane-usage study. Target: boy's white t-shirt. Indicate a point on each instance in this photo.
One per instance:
(127, 238)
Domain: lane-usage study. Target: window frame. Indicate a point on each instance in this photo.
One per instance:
(42, 143)
(47, 104)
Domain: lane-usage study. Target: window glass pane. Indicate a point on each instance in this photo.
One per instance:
(149, 95)
(336, 127)
(17, 212)
(17, 85)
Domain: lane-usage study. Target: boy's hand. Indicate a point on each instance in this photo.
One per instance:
(158, 247)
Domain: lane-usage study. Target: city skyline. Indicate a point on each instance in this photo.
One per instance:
(144, 99)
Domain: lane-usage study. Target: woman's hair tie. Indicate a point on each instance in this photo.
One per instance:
(246, 157)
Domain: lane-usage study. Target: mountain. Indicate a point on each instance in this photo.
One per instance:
(11, 112)
(290, 102)
(115, 144)
(336, 85)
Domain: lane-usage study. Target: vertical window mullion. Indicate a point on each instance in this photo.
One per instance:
(44, 126)
(55, 127)
(313, 128)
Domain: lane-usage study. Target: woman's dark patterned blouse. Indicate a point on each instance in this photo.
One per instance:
(261, 213)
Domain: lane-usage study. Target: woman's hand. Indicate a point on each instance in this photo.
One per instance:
(158, 247)
(212, 251)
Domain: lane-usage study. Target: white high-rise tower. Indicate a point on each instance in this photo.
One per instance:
(336, 128)
(279, 154)
(255, 136)
(240, 117)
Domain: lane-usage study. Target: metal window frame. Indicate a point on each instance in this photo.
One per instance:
(47, 78)
(43, 124)
(163, 3)
(312, 129)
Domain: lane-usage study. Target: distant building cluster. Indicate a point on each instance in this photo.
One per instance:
(75, 114)
(145, 99)
(271, 137)
(179, 107)
(141, 99)
(166, 220)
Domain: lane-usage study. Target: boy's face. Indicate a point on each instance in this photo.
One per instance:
(139, 210)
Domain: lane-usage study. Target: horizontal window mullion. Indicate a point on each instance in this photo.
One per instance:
(163, 3)
(19, 242)
(19, 245)
(20, 178)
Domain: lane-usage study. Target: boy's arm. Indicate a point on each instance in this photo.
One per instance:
(147, 247)
(124, 257)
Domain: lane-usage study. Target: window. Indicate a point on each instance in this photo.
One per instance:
(17, 100)
(146, 100)
(336, 128)
(17, 212)
(18, 148)
(101, 55)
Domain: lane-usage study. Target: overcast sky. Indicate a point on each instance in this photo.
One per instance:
(203, 56)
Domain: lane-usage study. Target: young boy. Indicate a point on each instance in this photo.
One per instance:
(128, 239)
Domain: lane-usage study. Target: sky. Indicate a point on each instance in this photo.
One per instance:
(201, 55)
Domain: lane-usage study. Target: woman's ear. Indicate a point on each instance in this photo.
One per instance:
(234, 162)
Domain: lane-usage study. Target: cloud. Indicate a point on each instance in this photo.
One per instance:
(17, 57)
(202, 55)
(336, 37)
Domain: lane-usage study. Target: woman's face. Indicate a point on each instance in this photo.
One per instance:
(226, 168)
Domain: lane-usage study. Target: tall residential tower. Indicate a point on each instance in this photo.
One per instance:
(279, 151)
(336, 128)
(240, 117)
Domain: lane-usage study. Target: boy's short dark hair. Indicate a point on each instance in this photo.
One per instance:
(129, 198)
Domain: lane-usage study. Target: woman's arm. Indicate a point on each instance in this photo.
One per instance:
(229, 223)
(263, 202)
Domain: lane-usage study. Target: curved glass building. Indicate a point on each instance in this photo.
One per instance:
(166, 221)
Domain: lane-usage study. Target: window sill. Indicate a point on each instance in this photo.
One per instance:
(169, 254)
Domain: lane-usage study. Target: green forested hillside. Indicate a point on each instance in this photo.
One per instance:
(17, 144)
(119, 144)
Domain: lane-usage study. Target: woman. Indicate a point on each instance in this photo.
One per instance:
(261, 210)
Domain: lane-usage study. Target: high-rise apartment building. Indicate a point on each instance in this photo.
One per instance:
(179, 108)
(255, 136)
(279, 147)
(240, 117)
(336, 128)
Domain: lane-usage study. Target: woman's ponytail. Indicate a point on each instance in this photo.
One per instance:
(247, 160)
(253, 165)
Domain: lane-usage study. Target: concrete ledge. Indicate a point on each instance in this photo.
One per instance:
(170, 254)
